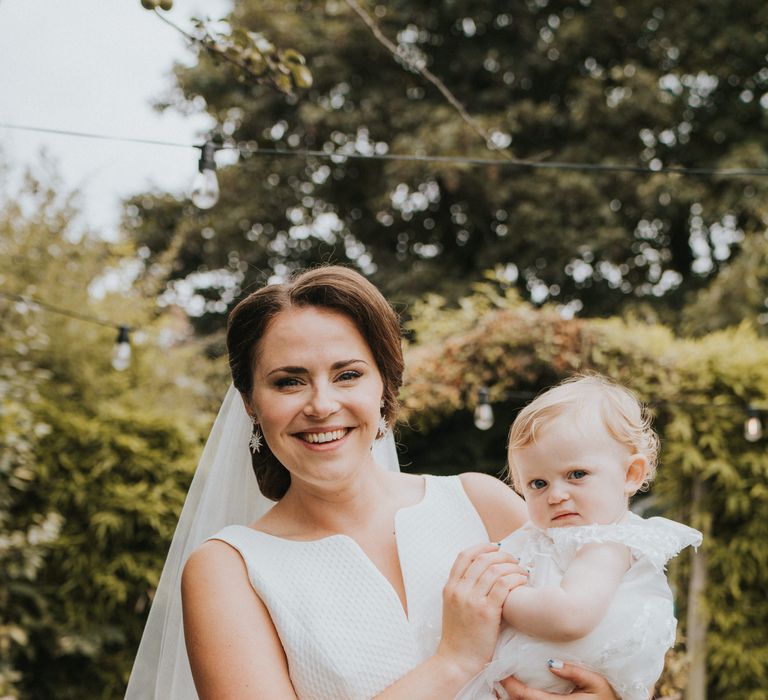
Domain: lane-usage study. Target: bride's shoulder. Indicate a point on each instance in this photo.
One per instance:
(500, 508)
(213, 560)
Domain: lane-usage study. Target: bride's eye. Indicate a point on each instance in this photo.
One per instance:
(349, 375)
(286, 382)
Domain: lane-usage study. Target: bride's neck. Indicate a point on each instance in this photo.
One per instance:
(311, 511)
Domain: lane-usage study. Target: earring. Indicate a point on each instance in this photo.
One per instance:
(255, 442)
(383, 427)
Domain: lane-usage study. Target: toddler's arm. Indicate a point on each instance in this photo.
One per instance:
(575, 607)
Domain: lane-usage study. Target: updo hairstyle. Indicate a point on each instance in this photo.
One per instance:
(330, 287)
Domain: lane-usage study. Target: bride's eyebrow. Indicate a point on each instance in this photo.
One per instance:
(304, 370)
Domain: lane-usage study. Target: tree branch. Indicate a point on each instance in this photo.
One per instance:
(272, 65)
(422, 70)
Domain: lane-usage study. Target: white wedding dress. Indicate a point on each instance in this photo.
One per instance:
(346, 590)
(345, 633)
(628, 645)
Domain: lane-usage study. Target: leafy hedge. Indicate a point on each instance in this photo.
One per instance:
(94, 464)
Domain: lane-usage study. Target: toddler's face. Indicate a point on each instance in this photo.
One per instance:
(576, 473)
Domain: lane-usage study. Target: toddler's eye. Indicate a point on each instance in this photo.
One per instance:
(537, 484)
(577, 474)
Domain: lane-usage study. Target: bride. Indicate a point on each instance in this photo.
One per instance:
(330, 575)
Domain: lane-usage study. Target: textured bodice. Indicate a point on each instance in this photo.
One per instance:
(343, 628)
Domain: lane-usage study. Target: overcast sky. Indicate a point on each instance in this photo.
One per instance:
(96, 66)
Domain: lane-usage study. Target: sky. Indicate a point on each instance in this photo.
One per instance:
(97, 66)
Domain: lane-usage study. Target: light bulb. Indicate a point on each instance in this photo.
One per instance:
(753, 426)
(121, 354)
(205, 187)
(483, 411)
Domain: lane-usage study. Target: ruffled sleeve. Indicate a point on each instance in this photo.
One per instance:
(656, 539)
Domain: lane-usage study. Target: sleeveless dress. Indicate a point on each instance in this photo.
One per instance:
(341, 623)
(628, 645)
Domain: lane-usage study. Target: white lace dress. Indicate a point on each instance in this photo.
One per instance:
(628, 645)
(345, 633)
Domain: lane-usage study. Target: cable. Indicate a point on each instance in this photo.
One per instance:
(519, 164)
(63, 312)
(86, 135)
(523, 164)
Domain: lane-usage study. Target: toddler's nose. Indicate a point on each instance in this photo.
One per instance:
(557, 494)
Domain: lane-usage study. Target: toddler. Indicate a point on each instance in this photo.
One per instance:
(597, 594)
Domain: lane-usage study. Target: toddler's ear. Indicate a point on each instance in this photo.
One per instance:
(637, 468)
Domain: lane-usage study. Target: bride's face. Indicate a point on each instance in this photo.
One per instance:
(316, 394)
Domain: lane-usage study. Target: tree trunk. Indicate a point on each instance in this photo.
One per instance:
(697, 614)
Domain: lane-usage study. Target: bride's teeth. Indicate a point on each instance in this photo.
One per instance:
(324, 437)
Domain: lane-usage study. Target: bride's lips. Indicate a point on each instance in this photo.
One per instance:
(326, 438)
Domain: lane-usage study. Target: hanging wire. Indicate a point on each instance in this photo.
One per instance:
(31, 301)
(518, 164)
(121, 352)
(88, 135)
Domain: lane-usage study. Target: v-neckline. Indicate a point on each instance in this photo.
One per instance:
(403, 605)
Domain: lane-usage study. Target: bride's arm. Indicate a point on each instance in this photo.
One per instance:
(234, 650)
(500, 508)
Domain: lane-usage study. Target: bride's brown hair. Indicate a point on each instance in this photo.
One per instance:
(331, 287)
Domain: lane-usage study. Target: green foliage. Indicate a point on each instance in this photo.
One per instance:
(254, 57)
(94, 464)
(599, 81)
(738, 292)
(116, 483)
(699, 390)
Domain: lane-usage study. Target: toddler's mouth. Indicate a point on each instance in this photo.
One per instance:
(562, 516)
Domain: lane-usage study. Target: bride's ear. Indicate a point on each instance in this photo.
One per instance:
(636, 471)
(247, 404)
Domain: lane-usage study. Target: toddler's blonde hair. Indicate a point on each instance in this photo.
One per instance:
(624, 417)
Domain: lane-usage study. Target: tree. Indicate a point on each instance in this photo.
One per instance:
(597, 81)
(94, 463)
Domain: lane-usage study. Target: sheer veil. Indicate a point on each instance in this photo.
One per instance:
(223, 492)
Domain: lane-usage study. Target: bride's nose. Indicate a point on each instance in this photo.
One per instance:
(322, 402)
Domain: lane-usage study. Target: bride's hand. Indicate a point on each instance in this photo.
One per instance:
(589, 686)
(473, 598)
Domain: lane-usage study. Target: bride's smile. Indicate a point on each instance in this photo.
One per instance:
(327, 435)
(317, 394)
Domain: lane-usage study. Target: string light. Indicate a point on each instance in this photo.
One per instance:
(121, 353)
(483, 411)
(205, 188)
(519, 164)
(753, 425)
(484, 418)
